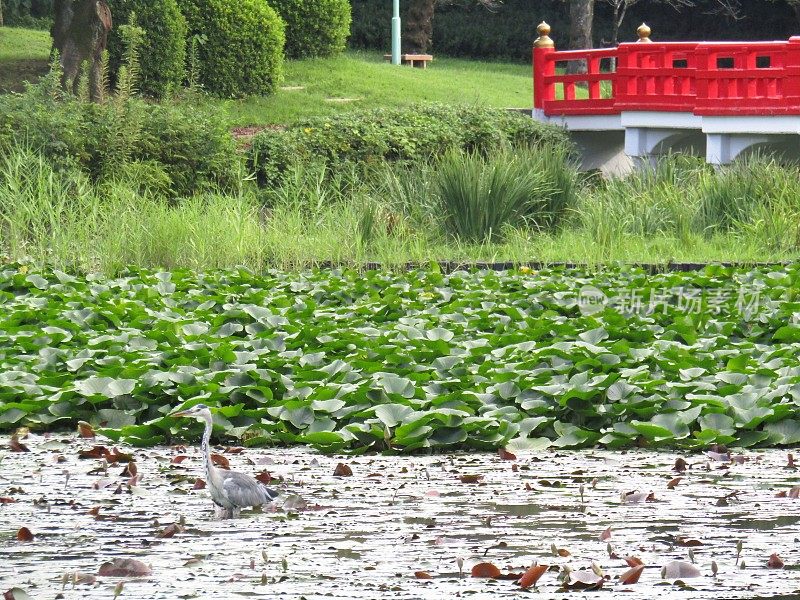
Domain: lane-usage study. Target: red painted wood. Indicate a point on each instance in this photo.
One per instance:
(719, 78)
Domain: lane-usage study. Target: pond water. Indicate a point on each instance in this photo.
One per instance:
(366, 535)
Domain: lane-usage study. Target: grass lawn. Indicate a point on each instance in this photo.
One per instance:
(358, 80)
(23, 56)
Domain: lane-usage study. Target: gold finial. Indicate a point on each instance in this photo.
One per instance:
(644, 33)
(544, 41)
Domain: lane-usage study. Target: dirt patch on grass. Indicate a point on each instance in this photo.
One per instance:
(14, 73)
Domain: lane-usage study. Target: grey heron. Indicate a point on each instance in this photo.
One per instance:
(230, 491)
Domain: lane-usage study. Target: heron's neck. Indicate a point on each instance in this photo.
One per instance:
(206, 451)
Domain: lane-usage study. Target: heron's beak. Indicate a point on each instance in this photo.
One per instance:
(180, 413)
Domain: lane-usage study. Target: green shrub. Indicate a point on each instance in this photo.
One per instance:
(189, 146)
(163, 52)
(239, 45)
(314, 27)
(412, 134)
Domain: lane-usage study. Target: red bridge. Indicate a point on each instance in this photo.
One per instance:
(716, 98)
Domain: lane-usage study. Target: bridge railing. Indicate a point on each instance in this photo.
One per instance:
(656, 76)
(719, 78)
(758, 78)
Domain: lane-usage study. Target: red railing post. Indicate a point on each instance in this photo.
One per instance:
(791, 85)
(543, 68)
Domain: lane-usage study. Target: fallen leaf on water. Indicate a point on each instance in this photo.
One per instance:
(606, 535)
(633, 561)
(487, 570)
(170, 531)
(790, 459)
(17, 446)
(179, 459)
(505, 454)
(531, 576)
(85, 430)
(422, 575)
(199, 484)
(234, 450)
(688, 542)
(342, 470)
(563, 552)
(16, 594)
(583, 580)
(294, 503)
(632, 575)
(124, 567)
(83, 578)
(220, 461)
(637, 497)
(118, 588)
(264, 477)
(679, 569)
(775, 562)
(680, 465)
(673, 483)
(24, 535)
(130, 470)
(6, 500)
(719, 456)
(470, 478)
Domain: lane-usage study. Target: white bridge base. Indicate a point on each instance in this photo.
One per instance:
(615, 144)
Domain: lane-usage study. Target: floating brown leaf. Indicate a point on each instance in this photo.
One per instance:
(264, 477)
(632, 575)
(563, 552)
(85, 430)
(124, 567)
(633, 561)
(83, 579)
(112, 456)
(470, 478)
(531, 576)
(221, 461)
(673, 483)
(199, 484)
(505, 454)
(680, 465)
(422, 575)
(584, 580)
(606, 535)
(234, 450)
(790, 459)
(487, 570)
(688, 542)
(6, 500)
(775, 562)
(24, 535)
(16, 445)
(130, 470)
(170, 531)
(342, 470)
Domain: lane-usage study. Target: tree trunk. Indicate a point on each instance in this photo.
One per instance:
(581, 23)
(80, 34)
(419, 26)
(1, 13)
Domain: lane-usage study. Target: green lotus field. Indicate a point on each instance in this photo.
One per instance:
(363, 361)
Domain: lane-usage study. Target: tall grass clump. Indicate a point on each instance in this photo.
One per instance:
(479, 195)
(44, 212)
(745, 191)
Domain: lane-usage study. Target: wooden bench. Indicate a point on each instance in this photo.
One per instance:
(415, 60)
